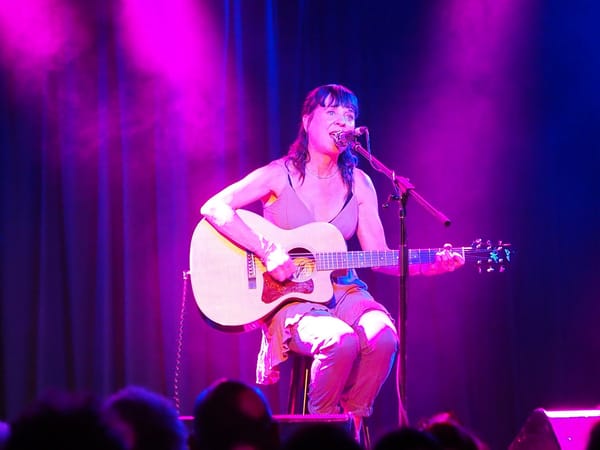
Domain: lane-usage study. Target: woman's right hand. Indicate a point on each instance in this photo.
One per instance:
(277, 262)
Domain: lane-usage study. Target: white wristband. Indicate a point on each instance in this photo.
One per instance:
(275, 256)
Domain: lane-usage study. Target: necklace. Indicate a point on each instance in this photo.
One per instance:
(320, 177)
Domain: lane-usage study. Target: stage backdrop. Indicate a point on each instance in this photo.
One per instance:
(118, 119)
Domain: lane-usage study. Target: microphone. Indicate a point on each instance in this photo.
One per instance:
(343, 138)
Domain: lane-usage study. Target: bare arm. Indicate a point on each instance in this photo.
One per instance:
(372, 236)
(220, 211)
(370, 231)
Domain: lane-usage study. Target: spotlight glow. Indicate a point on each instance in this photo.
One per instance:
(171, 38)
(39, 35)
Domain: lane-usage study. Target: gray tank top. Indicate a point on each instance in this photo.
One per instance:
(289, 211)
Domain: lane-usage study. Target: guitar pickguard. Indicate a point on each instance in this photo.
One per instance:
(273, 290)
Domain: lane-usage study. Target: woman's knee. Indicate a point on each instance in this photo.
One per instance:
(386, 341)
(378, 332)
(342, 344)
(328, 336)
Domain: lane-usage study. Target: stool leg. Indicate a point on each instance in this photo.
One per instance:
(306, 382)
(300, 368)
(294, 374)
(366, 437)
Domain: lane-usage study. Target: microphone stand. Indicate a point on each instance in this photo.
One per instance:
(403, 189)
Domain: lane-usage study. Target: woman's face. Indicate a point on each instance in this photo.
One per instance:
(325, 120)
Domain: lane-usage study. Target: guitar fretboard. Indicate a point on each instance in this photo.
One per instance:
(375, 258)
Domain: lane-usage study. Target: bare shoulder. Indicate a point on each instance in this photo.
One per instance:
(363, 185)
(361, 178)
(273, 175)
(277, 167)
(276, 170)
(260, 184)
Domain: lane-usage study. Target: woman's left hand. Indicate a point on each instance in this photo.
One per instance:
(446, 260)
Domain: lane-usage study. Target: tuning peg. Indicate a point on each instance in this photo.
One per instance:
(478, 265)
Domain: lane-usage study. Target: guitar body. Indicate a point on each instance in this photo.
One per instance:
(231, 286)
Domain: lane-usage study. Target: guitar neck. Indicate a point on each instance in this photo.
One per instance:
(374, 258)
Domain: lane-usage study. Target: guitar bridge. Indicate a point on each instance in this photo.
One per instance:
(251, 270)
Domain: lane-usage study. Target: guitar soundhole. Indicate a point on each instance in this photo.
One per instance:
(300, 283)
(305, 264)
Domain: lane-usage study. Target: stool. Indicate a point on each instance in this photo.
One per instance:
(300, 377)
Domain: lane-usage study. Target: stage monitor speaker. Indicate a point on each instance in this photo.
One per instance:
(556, 430)
(291, 423)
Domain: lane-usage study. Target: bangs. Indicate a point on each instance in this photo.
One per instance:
(332, 95)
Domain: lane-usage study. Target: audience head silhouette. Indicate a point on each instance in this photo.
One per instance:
(4, 433)
(452, 436)
(60, 421)
(231, 415)
(447, 429)
(145, 420)
(408, 438)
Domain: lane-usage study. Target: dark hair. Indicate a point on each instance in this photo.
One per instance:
(453, 436)
(63, 421)
(229, 413)
(152, 418)
(326, 95)
(408, 438)
(448, 430)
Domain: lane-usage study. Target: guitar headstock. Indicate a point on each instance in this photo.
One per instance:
(491, 257)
